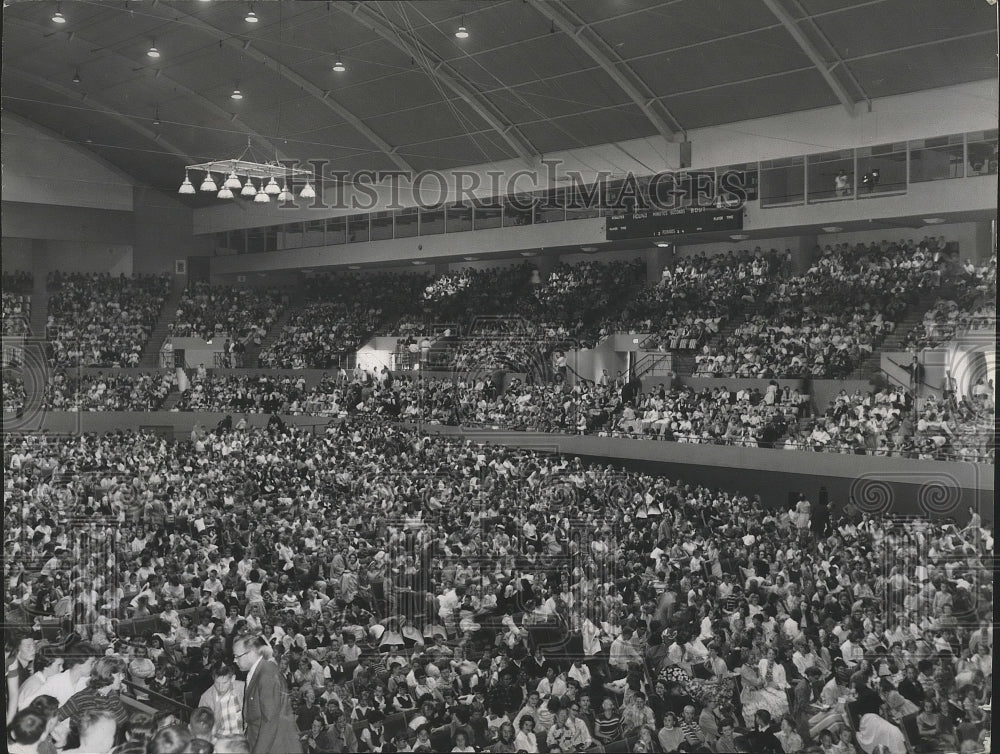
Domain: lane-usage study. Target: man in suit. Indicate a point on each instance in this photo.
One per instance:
(266, 706)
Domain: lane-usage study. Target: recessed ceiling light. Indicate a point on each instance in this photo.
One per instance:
(933, 220)
(153, 52)
(832, 229)
(739, 236)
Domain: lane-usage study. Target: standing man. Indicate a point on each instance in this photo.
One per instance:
(266, 706)
(225, 698)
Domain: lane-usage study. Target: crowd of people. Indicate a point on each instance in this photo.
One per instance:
(824, 322)
(222, 391)
(588, 300)
(112, 391)
(242, 314)
(14, 395)
(102, 320)
(412, 592)
(696, 295)
(970, 307)
(16, 313)
(339, 314)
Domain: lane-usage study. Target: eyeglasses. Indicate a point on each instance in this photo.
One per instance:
(236, 657)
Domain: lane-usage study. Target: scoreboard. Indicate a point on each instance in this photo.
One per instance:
(659, 223)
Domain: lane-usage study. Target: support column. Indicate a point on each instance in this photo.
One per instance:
(39, 264)
(984, 244)
(656, 259)
(544, 265)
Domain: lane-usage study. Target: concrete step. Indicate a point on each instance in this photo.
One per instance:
(151, 353)
(39, 314)
(252, 354)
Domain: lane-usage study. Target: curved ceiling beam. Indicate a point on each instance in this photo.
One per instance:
(825, 70)
(125, 120)
(245, 46)
(220, 112)
(437, 68)
(611, 63)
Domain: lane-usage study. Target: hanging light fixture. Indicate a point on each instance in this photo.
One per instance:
(208, 184)
(58, 17)
(152, 52)
(76, 77)
(338, 66)
(237, 94)
(156, 116)
(186, 187)
(251, 17)
(241, 174)
(462, 32)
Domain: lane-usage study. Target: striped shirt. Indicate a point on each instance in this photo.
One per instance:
(609, 728)
(90, 700)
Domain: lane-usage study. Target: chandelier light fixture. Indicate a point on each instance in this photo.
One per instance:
(240, 174)
(462, 32)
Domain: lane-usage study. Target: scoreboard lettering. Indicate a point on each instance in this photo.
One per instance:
(660, 223)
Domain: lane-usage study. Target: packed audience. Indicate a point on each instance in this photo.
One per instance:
(107, 392)
(17, 281)
(824, 322)
(16, 313)
(888, 422)
(588, 300)
(102, 320)
(341, 313)
(243, 314)
(14, 395)
(971, 307)
(423, 593)
(696, 295)
(221, 391)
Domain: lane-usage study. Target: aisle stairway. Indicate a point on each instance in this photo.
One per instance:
(151, 353)
(171, 400)
(39, 313)
(872, 366)
(252, 354)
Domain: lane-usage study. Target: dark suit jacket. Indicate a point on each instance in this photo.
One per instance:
(267, 711)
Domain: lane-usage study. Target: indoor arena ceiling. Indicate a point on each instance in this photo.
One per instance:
(532, 77)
